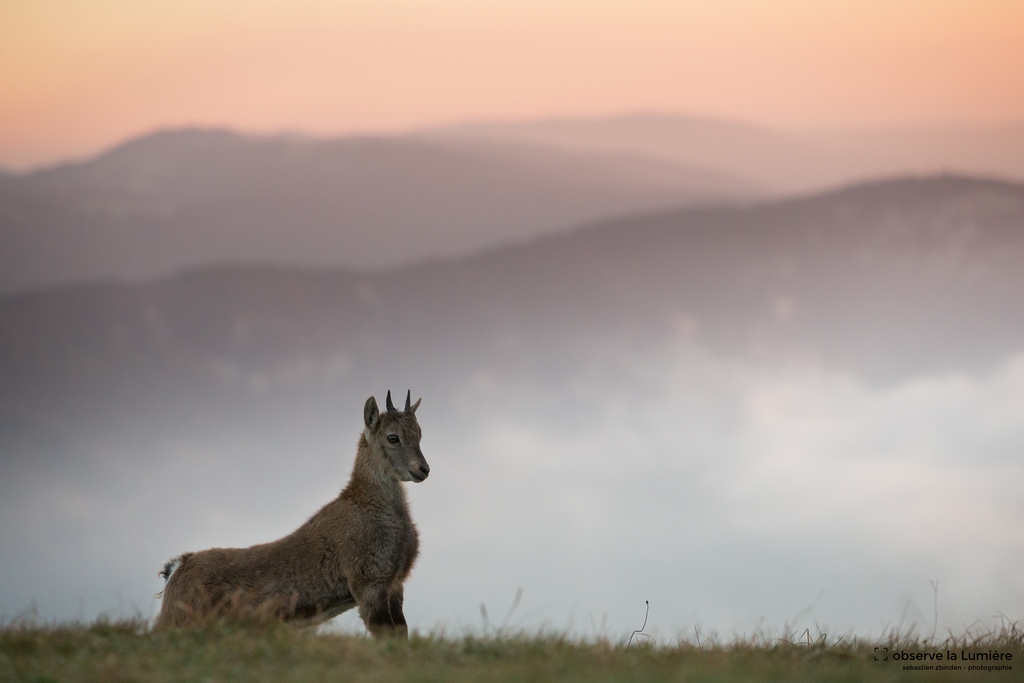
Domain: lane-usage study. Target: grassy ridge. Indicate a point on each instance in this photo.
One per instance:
(130, 651)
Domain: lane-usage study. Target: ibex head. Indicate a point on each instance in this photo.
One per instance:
(395, 437)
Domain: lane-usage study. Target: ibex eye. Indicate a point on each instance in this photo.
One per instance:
(393, 438)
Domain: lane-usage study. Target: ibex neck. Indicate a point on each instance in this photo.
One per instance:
(371, 481)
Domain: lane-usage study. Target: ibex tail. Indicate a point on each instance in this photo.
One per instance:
(172, 564)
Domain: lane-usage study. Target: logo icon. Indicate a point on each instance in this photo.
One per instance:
(884, 652)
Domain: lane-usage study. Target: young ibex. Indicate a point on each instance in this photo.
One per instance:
(357, 550)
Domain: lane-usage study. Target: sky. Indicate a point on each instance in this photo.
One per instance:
(78, 77)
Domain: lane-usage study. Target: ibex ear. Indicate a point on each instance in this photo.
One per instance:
(370, 412)
(414, 406)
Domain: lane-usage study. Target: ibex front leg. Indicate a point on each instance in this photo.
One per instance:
(380, 606)
(395, 599)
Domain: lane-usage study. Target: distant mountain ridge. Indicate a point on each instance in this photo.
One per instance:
(179, 199)
(785, 160)
(186, 198)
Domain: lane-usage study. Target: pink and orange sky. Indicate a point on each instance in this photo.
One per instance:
(78, 76)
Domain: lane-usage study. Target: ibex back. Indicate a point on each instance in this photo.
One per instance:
(356, 551)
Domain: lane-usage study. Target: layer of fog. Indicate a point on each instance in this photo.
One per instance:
(732, 496)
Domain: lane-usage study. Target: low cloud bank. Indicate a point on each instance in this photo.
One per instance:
(731, 495)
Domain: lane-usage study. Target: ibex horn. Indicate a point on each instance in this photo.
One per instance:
(390, 405)
(408, 400)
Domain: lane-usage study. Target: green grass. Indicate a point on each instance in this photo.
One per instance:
(130, 651)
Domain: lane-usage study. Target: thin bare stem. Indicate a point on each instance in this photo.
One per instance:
(640, 631)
